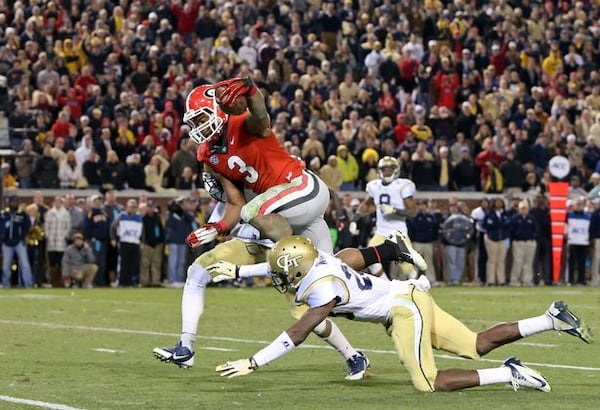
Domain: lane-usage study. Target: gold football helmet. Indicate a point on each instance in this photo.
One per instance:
(290, 260)
(384, 166)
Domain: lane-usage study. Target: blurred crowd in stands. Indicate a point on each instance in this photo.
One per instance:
(468, 95)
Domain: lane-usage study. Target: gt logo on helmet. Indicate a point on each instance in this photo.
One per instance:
(286, 260)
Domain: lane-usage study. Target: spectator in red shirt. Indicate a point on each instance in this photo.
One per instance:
(186, 16)
(85, 79)
(446, 81)
(401, 129)
(170, 111)
(73, 98)
(61, 126)
(408, 66)
(487, 159)
(498, 58)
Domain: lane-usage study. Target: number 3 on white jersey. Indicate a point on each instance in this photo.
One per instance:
(249, 173)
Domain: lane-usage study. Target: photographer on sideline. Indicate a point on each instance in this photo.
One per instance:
(78, 263)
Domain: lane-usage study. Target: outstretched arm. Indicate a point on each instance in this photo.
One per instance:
(258, 121)
(283, 344)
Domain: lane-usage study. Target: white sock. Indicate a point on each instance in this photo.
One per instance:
(533, 325)
(494, 376)
(376, 269)
(192, 303)
(339, 342)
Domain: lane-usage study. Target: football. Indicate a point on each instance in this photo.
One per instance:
(239, 106)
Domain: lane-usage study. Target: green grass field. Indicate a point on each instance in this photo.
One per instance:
(92, 349)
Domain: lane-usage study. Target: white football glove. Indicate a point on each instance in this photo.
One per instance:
(223, 270)
(203, 235)
(353, 228)
(238, 368)
(388, 209)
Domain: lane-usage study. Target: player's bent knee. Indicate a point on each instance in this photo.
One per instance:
(197, 275)
(424, 389)
(424, 382)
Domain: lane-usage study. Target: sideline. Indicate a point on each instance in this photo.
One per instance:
(37, 403)
(264, 342)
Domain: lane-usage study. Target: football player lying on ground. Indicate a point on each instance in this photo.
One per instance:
(246, 247)
(413, 319)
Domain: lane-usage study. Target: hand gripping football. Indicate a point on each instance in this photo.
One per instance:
(238, 107)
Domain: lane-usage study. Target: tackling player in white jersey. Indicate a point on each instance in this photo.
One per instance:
(392, 200)
(413, 319)
(246, 248)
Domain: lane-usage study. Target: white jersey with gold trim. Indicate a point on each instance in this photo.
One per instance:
(392, 194)
(360, 296)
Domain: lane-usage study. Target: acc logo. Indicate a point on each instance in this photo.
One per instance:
(285, 260)
(559, 166)
(213, 160)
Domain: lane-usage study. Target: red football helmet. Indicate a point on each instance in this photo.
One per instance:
(203, 115)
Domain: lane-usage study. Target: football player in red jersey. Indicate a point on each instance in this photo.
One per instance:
(243, 152)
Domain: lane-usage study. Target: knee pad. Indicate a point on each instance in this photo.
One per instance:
(197, 275)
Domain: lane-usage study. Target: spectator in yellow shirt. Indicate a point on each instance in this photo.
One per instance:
(420, 130)
(348, 164)
(552, 62)
(10, 182)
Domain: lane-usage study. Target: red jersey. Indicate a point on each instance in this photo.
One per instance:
(259, 163)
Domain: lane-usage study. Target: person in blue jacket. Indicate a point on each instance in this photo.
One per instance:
(497, 226)
(423, 230)
(15, 225)
(523, 232)
(96, 229)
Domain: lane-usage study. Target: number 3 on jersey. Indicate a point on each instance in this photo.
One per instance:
(363, 282)
(249, 173)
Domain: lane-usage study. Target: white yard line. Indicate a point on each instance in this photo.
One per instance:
(37, 403)
(251, 341)
(217, 349)
(549, 345)
(103, 350)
